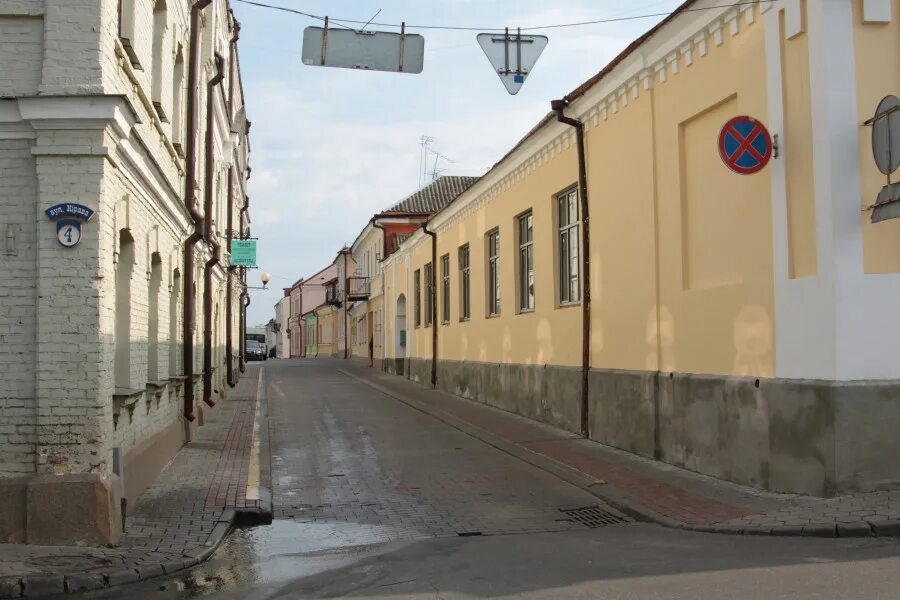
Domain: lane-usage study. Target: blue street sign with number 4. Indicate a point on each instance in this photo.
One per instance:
(68, 232)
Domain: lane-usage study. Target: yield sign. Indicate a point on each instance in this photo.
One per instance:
(745, 145)
(512, 56)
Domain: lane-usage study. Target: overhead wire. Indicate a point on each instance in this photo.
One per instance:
(341, 21)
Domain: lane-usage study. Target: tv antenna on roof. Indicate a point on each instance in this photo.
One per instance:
(434, 169)
(424, 142)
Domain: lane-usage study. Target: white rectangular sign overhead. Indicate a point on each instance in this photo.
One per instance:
(369, 50)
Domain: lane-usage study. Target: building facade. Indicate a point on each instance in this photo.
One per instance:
(739, 325)
(123, 168)
(282, 322)
(381, 237)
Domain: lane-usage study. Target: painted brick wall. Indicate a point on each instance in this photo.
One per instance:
(18, 205)
(58, 327)
(21, 54)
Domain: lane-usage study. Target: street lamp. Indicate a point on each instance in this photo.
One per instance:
(265, 278)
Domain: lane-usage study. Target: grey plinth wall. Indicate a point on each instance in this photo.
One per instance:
(814, 437)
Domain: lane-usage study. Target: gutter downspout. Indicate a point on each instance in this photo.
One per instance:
(434, 321)
(229, 301)
(559, 106)
(209, 166)
(383, 238)
(346, 301)
(384, 301)
(242, 325)
(196, 216)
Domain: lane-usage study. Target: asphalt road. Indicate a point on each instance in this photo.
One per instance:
(376, 499)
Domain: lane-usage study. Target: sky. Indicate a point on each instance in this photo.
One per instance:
(332, 147)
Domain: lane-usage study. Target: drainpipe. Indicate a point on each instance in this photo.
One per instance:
(346, 295)
(246, 297)
(196, 216)
(434, 321)
(209, 165)
(383, 237)
(559, 106)
(229, 308)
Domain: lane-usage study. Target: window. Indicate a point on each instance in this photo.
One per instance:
(159, 38)
(493, 271)
(429, 293)
(464, 307)
(567, 211)
(445, 288)
(178, 99)
(417, 302)
(526, 262)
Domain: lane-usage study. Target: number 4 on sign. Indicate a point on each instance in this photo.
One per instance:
(512, 56)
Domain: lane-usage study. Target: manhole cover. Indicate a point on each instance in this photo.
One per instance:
(69, 562)
(593, 516)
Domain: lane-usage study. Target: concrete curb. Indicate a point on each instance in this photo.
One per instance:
(34, 586)
(619, 500)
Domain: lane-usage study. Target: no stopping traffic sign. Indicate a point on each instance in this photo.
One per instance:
(745, 145)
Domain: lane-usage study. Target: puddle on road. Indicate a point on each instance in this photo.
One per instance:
(270, 555)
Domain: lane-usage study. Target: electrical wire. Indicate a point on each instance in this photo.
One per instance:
(340, 22)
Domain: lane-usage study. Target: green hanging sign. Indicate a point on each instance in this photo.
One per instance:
(243, 253)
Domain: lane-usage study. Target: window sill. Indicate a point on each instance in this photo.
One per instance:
(568, 304)
(493, 316)
(526, 311)
(464, 320)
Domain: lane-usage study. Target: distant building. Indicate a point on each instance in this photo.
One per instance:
(381, 237)
(282, 324)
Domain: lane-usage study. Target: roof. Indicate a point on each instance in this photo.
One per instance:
(434, 196)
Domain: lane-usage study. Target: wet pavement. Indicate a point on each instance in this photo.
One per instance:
(374, 498)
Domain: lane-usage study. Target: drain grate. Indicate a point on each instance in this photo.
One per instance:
(593, 516)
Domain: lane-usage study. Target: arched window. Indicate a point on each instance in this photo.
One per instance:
(128, 30)
(160, 25)
(178, 100)
(153, 318)
(124, 269)
(173, 324)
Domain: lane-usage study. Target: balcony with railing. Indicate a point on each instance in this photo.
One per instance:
(357, 288)
(333, 296)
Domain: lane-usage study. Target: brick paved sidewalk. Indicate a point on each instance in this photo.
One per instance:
(645, 488)
(176, 523)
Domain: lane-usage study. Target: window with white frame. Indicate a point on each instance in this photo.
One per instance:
(493, 272)
(526, 262)
(417, 294)
(445, 288)
(464, 288)
(429, 294)
(568, 248)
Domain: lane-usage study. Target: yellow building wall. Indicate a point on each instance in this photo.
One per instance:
(715, 226)
(681, 247)
(621, 191)
(877, 50)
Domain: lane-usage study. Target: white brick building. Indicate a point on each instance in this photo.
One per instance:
(134, 109)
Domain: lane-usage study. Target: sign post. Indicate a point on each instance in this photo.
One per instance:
(243, 253)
